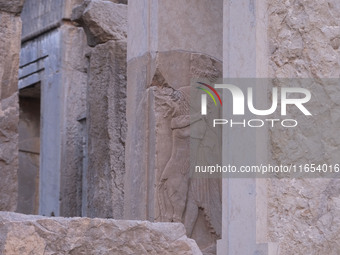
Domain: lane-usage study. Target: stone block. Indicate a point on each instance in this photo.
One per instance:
(9, 119)
(14, 6)
(74, 79)
(102, 20)
(10, 31)
(25, 234)
(106, 130)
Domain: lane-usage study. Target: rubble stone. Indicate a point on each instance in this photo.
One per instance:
(26, 234)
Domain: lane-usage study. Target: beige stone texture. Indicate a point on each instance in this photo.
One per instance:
(10, 31)
(304, 42)
(25, 234)
(304, 39)
(9, 118)
(102, 20)
(69, 6)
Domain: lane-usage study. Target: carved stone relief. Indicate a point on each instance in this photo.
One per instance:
(181, 198)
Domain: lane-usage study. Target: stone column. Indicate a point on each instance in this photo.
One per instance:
(105, 24)
(244, 220)
(10, 34)
(169, 43)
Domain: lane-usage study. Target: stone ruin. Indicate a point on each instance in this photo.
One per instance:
(95, 120)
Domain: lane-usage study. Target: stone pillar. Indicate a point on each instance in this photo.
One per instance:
(105, 24)
(10, 34)
(244, 220)
(169, 43)
(74, 66)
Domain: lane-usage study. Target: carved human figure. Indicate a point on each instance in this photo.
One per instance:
(180, 197)
(174, 181)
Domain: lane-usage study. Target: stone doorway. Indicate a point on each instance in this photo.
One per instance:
(29, 149)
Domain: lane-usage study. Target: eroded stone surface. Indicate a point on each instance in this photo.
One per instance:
(106, 130)
(102, 20)
(304, 42)
(10, 31)
(9, 164)
(105, 24)
(304, 38)
(75, 78)
(13, 6)
(22, 234)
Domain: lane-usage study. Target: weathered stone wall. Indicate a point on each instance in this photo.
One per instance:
(10, 34)
(304, 42)
(105, 24)
(23, 235)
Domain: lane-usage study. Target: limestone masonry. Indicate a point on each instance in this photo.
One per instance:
(98, 126)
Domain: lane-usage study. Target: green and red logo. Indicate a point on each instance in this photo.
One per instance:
(204, 97)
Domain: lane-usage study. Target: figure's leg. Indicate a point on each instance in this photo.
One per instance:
(166, 209)
(191, 214)
(177, 190)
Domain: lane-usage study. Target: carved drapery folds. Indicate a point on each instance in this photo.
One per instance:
(181, 197)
